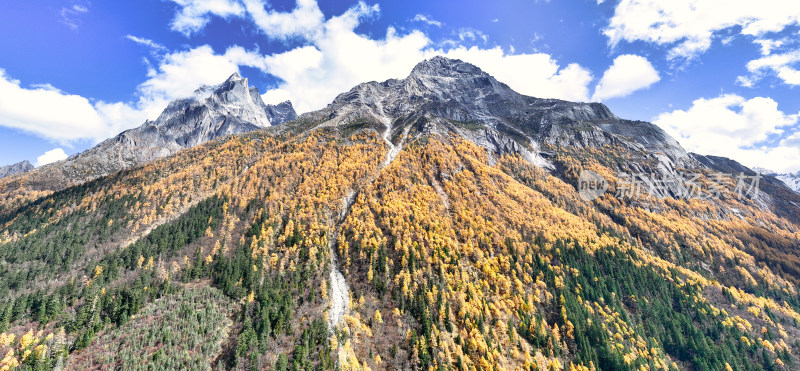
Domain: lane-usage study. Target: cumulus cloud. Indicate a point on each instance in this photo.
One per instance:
(732, 126)
(312, 77)
(783, 65)
(427, 20)
(50, 113)
(66, 116)
(195, 14)
(626, 75)
(768, 45)
(304, 20)
(51, 156)
(689, 26)
(340, 59)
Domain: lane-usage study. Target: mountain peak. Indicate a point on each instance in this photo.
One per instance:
(235, 77)
(443, 66)
(213, 111)
(444, 96)
(13, 169)
(232, 107)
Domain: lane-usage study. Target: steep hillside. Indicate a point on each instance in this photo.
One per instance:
(431, 222)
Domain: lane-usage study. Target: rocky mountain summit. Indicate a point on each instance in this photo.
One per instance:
(447, 95)
(13, 169)
(232, 107)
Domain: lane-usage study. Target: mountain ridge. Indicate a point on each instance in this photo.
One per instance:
(232, 107)
(461, 92)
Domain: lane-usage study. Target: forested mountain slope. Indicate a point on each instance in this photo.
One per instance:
(430, 222)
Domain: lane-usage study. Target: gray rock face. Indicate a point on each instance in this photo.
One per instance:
(229, 108)
(279, 113)
(445, 95)
(232, 107)
(14, 169)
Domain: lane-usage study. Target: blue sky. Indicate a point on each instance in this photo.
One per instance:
(720, 76)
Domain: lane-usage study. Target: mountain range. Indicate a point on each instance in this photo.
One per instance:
(433, 222)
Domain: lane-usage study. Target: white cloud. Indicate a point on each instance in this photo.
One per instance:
(46, 111)
(338, 60)
(782, 65)
(627, 74)
(427, 20)
(471, 34)
(768, 45)
(62, 117)
(195, 14)
(51, 156)
(732, 126)
(146, 42)
(305, 20)
(689, 26)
